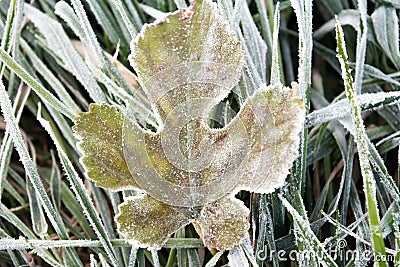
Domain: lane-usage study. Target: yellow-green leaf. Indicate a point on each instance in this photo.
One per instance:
(187, 63)
(100, 135)
(191, 53)
(223, 224)
(147, 222)
(273, 118)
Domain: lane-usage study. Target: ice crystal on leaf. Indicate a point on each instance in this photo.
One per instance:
(188, 172)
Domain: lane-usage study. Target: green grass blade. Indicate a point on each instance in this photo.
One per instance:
(135, 17)
(90, 39)
(247, 248)
(127, 21)
(100, 202)
(380, 168)
(69, 200)
(155, 13)
(265, 26)
(385, 17)
(361, 46)
(132, 257)
(107, 21)
(154, 256)
(63, 125)
(297, 179)
(309, 241)
(275, 68)
(347, 176)
(50, 78)
(39, 224)
(349, 17)
(255, 48)
(379, 76)
(31, 168)
(213, 261)
(82, 196)
(88, 34)
(141, 259)
(254, 71)
(362, 144)
(6, 145)
(60, 44)
(303, 12)
(103, 261)
(34, 84)
(193, 258)
(237, 257)
(55, 183)
(337, 110)
(13, 193)
(181, 254)
(265, 233)
(8, 34)
(67, 13)
(9, 216)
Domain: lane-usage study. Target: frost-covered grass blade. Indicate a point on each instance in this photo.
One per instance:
(360, 139)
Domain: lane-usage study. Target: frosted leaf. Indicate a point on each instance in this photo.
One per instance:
(187, 63)
(147, 222)
(254, 152)
(100, 134)
(274, 131)
(187, 163)
(223, 224)
(190, 53)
